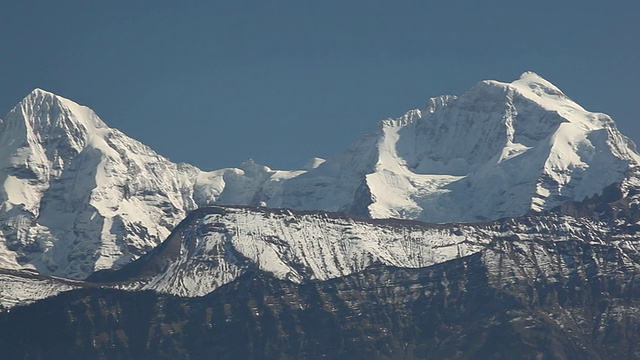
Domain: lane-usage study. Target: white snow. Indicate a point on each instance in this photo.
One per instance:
(501, 149)
(84, 194)
(302, 247)
(23, 287)
(219, 246)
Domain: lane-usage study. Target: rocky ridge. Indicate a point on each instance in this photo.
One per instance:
(530, 299)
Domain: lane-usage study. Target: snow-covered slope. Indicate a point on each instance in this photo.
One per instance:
(250, 184)
(24, 287)
(216, 245)
(501, 149)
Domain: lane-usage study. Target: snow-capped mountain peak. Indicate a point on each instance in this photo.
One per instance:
(39, 135)
(43, 110)
(77, 196)
(501, 149)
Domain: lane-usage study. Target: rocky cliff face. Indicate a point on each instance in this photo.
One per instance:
(216, 245)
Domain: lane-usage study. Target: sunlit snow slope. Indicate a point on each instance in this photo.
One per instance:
(214, 246)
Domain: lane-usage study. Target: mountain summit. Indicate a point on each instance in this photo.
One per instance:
(77, 196)
(499, 150)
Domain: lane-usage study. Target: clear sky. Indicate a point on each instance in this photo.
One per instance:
(215, 83)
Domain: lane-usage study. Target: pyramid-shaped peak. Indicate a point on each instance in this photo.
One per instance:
(36, 96)
(39, 91)
(38, 103)
(39, 95)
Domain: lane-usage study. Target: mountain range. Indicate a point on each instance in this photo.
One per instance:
(78, 196)
(506, 217)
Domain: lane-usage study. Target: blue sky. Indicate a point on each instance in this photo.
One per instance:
(214, 83)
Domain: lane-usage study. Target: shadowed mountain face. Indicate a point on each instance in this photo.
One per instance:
(515, 299)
